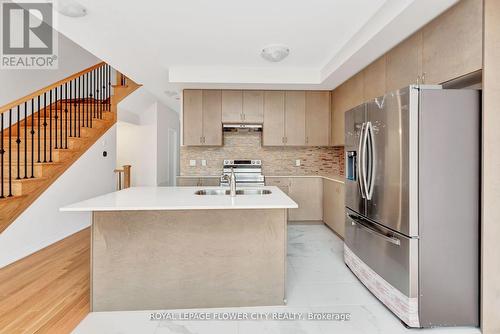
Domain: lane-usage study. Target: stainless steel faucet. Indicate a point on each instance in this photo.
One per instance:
(232, 182)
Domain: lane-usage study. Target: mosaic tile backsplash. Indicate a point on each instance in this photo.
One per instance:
(275, 160)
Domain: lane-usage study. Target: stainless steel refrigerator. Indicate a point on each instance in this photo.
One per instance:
(413, 203)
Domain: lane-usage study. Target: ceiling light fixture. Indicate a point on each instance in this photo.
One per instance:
(70, 8)
(275, 53)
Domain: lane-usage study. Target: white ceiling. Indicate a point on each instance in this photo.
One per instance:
(172, 44)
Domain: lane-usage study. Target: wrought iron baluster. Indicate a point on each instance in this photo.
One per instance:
(77, 107)
(70, 101)
(10, 153)
(18, 142)
(50, 126)
(66, 116)
(63, 116)
(109, 87)
(102, 89)
(32, 132)
(105, 88)
(45, 127)
(99, 92)
(25, 139)
(56, 117)
(86, 95)
(96, 91)
(38, 127)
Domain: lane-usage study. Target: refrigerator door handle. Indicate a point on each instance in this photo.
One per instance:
(357, 221)
(372, 162)
(363, 144)
(361, 161)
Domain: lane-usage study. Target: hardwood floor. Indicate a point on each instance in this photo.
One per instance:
(48, 291)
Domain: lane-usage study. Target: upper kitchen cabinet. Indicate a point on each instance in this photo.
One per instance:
(404, 63)
(242, 106)
(295, 118)
(346, 96)
(253, 106)
(318, 118)
(274, 118)
(374, 79)
(232, 106)
(202, 118)
(193, 117)
(452, 43)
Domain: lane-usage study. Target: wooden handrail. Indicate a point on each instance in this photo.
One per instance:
(126, 177)
(21, 100)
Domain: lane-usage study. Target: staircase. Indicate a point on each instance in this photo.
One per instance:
(43, 133)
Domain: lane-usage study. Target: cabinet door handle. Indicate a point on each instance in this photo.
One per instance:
(307, 140)
(201, 140)
(423, 78)
(283, 140)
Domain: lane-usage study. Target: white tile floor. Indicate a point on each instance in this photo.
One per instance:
(318, 281)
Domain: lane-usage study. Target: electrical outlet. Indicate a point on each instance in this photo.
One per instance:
(297, 163)
(192, 163)
(203, 162)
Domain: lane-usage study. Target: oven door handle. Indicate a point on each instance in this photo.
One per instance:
(357, 221)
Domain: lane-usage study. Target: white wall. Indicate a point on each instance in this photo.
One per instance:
(18, 83)
(136, 146)
(42, 224)
(168, 140)
(150, 145)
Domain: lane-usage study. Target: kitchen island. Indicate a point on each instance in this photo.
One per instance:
(177, 247)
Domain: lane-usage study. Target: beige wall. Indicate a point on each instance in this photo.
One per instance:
(490, 316)
(275, 160)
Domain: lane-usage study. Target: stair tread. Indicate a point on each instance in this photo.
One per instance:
(11, 198)
(23, 180)
(53, 163)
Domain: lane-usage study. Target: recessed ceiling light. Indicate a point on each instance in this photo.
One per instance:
(275, 53)
(70, 8)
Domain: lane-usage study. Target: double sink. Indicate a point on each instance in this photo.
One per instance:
(238, 192)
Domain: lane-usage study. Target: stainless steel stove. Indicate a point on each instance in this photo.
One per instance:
(248, 172)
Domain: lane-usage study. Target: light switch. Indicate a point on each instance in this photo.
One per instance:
(192, 163)
(297, 163)
(203, 162)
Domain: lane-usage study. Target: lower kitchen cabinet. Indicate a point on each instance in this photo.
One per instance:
(308, 193)
(333, 205)
(198, 181)
(281, 182)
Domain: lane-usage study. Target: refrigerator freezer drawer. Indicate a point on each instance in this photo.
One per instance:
(392, 256)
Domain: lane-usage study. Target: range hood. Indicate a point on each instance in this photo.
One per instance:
(241, 126)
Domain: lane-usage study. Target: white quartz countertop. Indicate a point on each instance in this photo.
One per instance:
(180, 198)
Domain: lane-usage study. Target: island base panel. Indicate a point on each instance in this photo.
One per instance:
(144, 260)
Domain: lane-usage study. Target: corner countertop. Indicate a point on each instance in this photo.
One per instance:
(180, 198)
